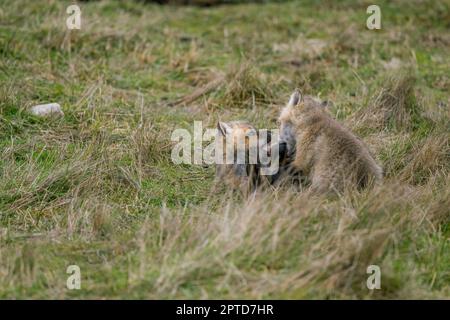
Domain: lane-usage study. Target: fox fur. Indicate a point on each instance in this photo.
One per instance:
(330, 156)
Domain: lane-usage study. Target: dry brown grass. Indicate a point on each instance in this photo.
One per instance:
(319, 243)
(430, 158)
(394, 105)
(246, 87)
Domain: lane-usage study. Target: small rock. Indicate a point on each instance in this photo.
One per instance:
(47, 109)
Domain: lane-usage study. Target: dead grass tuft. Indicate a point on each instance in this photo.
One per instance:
(431, 157)
(246, 87)
(394, 107)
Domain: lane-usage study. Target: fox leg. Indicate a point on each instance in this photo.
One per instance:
(320, 181)
(303, 155)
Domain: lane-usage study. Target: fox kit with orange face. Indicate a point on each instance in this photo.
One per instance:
(328, 154)
(235, 137)
(244, 142)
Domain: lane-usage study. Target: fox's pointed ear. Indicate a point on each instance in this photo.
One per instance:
(296, 97)
(224, 128)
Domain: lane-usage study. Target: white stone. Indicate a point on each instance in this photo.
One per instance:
(47, 109)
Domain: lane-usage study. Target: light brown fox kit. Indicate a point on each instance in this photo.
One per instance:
(328, 154)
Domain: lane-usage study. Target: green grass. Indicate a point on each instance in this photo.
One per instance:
(97, 188)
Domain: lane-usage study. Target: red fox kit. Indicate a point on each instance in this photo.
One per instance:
(246, 140)
(328, 154)
(239, 176)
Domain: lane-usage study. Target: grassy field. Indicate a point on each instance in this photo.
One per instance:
(97, 187)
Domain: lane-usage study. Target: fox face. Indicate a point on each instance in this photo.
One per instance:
(240, 143)
(299, 109)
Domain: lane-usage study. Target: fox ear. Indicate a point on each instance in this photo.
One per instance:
(296, 97)
(224, 128)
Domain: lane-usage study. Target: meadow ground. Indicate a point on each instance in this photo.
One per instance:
(97, 188)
